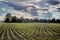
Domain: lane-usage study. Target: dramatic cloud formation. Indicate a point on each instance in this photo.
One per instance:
(30, 8)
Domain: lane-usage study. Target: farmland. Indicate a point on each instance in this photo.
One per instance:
(29, 31)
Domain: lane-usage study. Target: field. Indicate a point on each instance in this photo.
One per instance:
(29, 31)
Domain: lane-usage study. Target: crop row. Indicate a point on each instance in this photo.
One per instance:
(29, 32)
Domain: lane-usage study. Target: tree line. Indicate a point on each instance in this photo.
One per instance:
(14, 19)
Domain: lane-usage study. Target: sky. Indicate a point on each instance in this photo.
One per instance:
(45, 9)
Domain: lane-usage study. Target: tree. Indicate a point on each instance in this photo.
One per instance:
(36, 20)
(14, 19)
(8, 18)
(21, 19)
(53, 20)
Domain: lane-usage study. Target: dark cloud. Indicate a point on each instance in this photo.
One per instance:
(23, 0)
(15, 6)
(58, 9)
(20, 7)
(33, 12)
(44, 9)
(53, 2)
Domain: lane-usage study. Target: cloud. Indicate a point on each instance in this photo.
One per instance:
(42, 4)
(31, 8)
(24, 0)
(20, 14)
(53, 2)
(15, 6)
(58, 0)
(3, 9)
(1, 0)
(2, 17)
(24, 8)
(58, 9)
(56, 15)
(48, 15)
